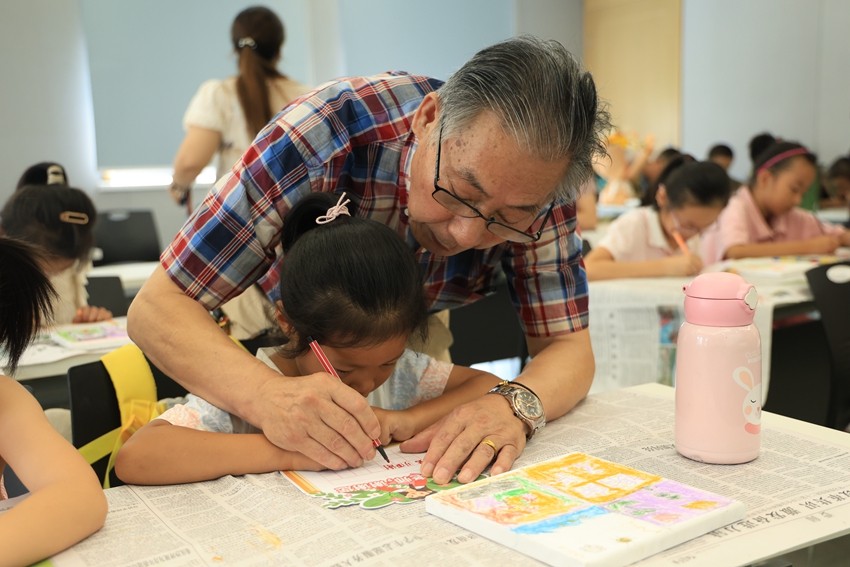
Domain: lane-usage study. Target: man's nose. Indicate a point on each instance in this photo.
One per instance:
(468, 232)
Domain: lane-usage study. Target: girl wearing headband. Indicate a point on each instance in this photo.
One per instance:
(66, 502)
(662, 237)
(59, 219)
(353, 286)
(764, 218)
(225, 116)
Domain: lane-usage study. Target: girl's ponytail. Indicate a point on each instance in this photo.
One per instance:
(257, 35)
(25, 298)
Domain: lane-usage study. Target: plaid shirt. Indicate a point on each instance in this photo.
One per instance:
(354, 135)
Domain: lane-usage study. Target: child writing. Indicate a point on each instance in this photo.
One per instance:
(66, 503)
(354, 286)
(764, 219)
(661, 239)
(60, 219)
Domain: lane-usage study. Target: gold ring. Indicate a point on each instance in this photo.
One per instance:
(490, 444)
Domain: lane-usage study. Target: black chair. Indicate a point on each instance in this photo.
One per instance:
(585, 247)
(107, 292)
(126, 236)
(94, 407)
(830, 286)
(487, 330)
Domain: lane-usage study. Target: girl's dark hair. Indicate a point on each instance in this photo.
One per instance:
(759, 143)
(349, 283)
(774, 151)
(25, 298)
(690, 182)
(44, 173)
(257, 35)
(60, 219)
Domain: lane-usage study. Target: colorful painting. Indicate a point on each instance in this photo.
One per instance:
(374, 485)
(581, 510)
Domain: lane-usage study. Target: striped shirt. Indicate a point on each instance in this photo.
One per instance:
(355, 135)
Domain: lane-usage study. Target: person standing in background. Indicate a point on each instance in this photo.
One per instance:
(224, 116)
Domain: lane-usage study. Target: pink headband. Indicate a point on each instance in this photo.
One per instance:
(783, 156)
(338, 209)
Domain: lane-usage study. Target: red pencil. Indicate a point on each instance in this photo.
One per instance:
(326, 364)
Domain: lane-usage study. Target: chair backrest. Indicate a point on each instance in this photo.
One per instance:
(487, 330)
(830, 285)
(107, 292)
(94, 407)
(126, 236)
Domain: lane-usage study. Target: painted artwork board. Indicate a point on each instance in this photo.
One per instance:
(580, 511)
(90, 336)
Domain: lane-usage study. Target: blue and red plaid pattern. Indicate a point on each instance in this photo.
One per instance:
(354, 135)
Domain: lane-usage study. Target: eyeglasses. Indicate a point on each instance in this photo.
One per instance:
(458, 206)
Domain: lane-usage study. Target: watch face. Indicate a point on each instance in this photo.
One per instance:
(528, 404)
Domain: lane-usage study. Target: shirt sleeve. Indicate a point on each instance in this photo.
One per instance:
(547, 279)
(624, 234)
(803, 224)
(733, 227)
(416, 378)
(206, 108)
(199, 414)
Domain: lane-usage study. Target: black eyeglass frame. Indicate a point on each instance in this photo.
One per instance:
(526, 237)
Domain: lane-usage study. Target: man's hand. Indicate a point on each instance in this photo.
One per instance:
(319, 416)
(460, 434)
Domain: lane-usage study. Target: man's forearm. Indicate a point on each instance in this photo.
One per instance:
(560, 372)
(183, 341)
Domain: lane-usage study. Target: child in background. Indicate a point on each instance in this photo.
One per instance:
(60, 219)
(355, 287)
(661, 238)
(66, 503)
(763, 219)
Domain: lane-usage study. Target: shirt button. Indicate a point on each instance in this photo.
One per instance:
(406, 212)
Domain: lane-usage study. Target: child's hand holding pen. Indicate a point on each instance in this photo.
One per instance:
(395, 425)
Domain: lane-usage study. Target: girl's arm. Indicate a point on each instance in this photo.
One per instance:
(464, 385)
(820, 245)
(66, 503)
(600, 265)
(161, 453)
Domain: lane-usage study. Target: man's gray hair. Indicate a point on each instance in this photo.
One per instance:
(542, 98)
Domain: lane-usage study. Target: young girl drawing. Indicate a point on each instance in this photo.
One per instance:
(763, 218)
(59, 219)
(66, 503)
(354, 286)
(661, 239)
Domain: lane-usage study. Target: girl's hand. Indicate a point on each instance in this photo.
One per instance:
(684, 265)
(295, 461)
(845, 238)
(91, 314)
(822, 245)
(395, 425)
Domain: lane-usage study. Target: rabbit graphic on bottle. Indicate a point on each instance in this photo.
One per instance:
(752, 399)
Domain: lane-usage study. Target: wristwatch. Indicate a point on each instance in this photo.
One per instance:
(525, 403)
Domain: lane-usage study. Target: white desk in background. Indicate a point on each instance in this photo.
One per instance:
(133, 275)
(797, 494)
(629, 316)
(837, 215)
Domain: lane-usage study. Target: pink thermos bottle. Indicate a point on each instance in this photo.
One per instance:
(718, 372)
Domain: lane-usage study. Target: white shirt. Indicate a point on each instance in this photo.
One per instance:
(637, 236)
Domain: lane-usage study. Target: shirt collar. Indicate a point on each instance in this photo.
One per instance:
(764, 231)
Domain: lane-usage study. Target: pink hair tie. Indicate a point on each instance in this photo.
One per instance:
(781, 157)
(338, 209)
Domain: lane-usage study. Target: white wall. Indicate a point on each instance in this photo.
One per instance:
(765, 65)
(551, 19)
(46, 111)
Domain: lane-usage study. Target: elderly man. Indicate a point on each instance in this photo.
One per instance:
(477, 174)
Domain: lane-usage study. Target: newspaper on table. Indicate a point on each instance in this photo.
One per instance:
(798, 490)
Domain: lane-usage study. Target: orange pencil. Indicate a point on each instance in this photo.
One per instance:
(681, 242)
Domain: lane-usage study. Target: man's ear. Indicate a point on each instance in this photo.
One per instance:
(426, 118)
(283, 322)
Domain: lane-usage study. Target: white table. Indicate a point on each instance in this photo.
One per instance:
(835, 215)
(133, 275)
(796, 495)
